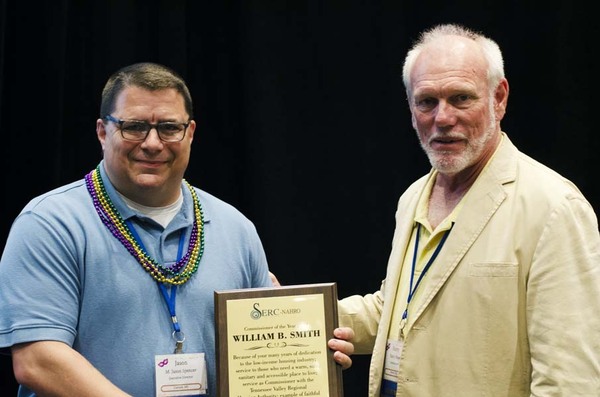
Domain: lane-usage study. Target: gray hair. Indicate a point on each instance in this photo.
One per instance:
(491, 51)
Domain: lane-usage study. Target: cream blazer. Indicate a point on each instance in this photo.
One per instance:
(510, 307)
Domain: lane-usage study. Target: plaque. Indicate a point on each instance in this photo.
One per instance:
(273, 341)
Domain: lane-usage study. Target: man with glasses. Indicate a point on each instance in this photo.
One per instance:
(105, 281)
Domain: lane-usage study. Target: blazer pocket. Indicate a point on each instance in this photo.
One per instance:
(497, 269)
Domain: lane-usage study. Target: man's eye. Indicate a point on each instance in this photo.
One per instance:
(134, 127)
(170, 128)
(426, 103)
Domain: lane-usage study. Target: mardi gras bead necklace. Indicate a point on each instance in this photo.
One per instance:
(179, 272)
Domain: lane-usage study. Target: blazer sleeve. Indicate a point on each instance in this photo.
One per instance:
(563, 303)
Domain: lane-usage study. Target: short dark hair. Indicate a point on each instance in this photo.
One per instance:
(147, 75)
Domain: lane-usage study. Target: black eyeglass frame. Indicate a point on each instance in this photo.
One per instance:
(148, 128)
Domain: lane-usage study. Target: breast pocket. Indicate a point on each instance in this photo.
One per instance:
(493, 270)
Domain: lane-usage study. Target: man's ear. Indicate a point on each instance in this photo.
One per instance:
(101, 132)
(501, 99)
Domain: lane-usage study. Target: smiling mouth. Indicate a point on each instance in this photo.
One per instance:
(150, 165)
(444, 141)
(445, 144)
(150, 161)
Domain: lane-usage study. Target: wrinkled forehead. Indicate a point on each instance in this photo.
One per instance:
(139, 103)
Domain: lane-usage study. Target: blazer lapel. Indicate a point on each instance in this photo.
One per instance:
(484, 198)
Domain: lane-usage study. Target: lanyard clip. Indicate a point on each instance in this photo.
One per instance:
(179, 338)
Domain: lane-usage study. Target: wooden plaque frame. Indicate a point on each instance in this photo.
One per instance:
(274, 341)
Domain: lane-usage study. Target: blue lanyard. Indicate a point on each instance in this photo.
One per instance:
(412, 290)
(169, 299)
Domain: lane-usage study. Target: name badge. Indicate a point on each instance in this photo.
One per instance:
(393, 351)
(180, 375)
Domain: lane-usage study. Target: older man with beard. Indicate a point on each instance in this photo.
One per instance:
(493, 282)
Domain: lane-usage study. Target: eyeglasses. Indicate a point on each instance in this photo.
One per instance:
(136, 130)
